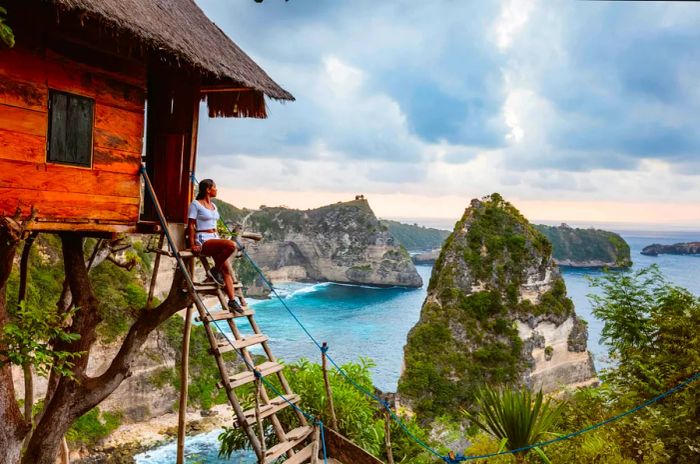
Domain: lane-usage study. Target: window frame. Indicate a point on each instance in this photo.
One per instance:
(90, 162)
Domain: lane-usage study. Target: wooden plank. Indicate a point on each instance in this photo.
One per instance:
(61, 178)
(294, 438)
(225, 315)
(302, 456)
(265, 369)
(29, 95)
(96, 227)
(119, 121)
(106, 138)
(64, 206)
(21, 64)
(23, 120)
(225, 347)
(22, 147)
(275, 406)
(112, 160)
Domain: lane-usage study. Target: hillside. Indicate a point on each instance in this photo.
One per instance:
(576, 247)
(414, 237)
(496, 312)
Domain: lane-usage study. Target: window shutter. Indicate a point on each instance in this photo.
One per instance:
(70, 129)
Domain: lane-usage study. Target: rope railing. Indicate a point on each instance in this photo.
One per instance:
(450, 458)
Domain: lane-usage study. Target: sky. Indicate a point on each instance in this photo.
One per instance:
(574, 111)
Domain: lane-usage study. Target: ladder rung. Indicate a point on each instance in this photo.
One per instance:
(302, 456)
(275, 406)
(265, 369)
(224, 346)
(205, 286)
(224, 315)
(294, 438)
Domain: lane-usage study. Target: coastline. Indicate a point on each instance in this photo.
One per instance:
(131, 439)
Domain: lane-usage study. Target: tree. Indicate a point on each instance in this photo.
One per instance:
(70, 392)
(512, 417)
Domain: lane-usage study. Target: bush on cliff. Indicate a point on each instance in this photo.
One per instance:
(650, 327)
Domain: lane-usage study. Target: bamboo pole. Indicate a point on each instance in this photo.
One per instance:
(387, 437)
(154, 277)
(184, 378)
(329, 393)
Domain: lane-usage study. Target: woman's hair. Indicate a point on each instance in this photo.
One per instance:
(204, 184)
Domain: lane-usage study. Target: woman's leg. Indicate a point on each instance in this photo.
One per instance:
(221, 250)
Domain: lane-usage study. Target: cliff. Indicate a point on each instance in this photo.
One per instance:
(343, 242)
(690, 248)
(496, 312)
(576, 247)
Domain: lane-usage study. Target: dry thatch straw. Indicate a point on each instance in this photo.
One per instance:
(181, 30)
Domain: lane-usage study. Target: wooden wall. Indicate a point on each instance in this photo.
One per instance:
(105, 197)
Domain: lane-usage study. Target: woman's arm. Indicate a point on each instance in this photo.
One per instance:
(191, 223)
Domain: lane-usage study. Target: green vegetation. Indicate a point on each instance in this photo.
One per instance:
(6, 34)
(415, 237)
(92, 427)
(515, 419)
(463, 339)
(650, 328)
(359, 417)
(584, 245)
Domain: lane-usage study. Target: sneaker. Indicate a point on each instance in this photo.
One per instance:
(217, 276)
(234, 306)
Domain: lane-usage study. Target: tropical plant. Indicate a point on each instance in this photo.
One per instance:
(6, 34)
(512, 417)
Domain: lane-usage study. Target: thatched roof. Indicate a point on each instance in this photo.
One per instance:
(180, 29)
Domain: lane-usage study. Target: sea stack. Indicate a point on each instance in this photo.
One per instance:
(496, 313)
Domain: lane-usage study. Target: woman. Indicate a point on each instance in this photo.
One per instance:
(203, 238)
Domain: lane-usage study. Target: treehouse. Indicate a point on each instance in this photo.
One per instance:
(95, 88)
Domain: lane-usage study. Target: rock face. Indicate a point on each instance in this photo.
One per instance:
(342, 243)
(690, 248)
(575, 247)
(496, 312)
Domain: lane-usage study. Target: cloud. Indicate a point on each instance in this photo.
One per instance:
(531, 98)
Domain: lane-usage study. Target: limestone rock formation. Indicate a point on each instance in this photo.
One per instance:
(576, 247)
(496, 312)
(343, 242)
(690, 248)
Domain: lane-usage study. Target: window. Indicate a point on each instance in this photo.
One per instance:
(70, 129)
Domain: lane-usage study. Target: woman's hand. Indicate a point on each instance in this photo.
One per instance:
(196, 248)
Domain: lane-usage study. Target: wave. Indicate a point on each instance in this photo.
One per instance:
(371, 287)
(308, 289)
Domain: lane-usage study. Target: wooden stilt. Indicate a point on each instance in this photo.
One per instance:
(329, 393)
(387, 437)
(154, 277)
(22, 294)
(184, 378)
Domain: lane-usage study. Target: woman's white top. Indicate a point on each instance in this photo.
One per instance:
(206, 220)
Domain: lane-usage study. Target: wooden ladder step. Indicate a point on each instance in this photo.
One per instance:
(265, 369)
(294, 438)
(225, 315)
(224, 346)
(303, 456)
(275, 406)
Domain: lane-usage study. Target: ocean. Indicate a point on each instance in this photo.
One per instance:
(373, 322)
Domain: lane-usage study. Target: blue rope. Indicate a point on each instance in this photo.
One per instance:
(323, 441)
(446, 458)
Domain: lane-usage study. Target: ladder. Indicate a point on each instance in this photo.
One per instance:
(289, 442)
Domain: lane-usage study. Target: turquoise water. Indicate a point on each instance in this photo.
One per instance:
(373, 322)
